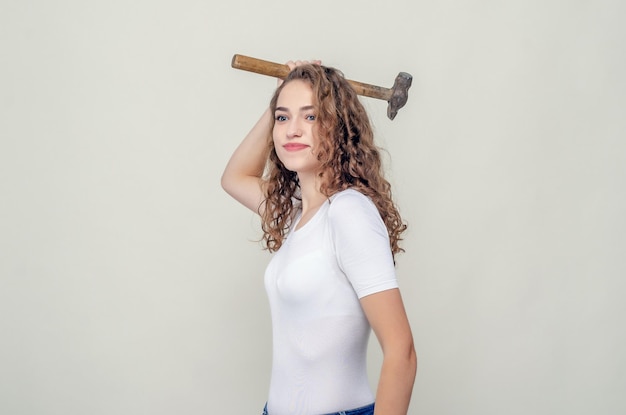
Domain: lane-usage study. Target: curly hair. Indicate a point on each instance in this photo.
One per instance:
(346, 151)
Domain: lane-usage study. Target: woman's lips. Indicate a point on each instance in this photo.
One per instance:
(294, 146)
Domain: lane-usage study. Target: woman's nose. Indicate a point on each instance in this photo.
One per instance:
(294, 130)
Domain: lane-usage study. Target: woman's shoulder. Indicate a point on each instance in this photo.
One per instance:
(351, 201)
(353, 215)
(349, 195)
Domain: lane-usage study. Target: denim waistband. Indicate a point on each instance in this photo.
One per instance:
(364, 410)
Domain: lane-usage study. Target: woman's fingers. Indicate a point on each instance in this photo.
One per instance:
(294, 64)
(299, 63)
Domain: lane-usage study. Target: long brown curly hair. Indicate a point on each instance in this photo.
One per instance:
(346, 151)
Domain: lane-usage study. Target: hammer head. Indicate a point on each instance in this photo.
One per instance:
(399, 94)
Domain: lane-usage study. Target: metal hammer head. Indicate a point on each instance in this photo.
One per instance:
(399, 94)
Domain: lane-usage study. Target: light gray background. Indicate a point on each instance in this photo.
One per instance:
(131, 284)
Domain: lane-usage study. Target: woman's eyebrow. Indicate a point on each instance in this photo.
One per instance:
(302, 109)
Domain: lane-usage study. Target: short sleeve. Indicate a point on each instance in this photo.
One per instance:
(361, 243)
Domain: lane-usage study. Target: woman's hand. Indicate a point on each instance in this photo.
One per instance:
(294, 64)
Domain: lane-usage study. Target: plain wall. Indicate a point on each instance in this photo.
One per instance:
(132, 284)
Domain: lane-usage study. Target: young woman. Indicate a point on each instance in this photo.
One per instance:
(310, 169)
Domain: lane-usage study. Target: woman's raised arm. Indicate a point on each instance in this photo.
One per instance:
(242, 176)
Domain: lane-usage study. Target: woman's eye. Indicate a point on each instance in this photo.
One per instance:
(310, 117)
(281, 118)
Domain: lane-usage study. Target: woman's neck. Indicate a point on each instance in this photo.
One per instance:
(312, 197)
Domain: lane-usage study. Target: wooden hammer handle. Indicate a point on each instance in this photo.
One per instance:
(281, 71)
(260, 66)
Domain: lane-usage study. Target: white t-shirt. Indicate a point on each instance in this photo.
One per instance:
(320, 332)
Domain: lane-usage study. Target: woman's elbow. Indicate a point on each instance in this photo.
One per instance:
(224, 181)
(412, 358)
(227, 182)
(407, 353)
(404, 353)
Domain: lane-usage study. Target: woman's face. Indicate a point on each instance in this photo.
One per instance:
(294, 133)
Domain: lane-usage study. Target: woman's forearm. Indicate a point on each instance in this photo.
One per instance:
(395, 385)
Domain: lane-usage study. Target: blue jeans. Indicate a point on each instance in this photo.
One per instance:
(364, 410)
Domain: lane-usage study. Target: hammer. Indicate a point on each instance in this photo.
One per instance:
(396, 96)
